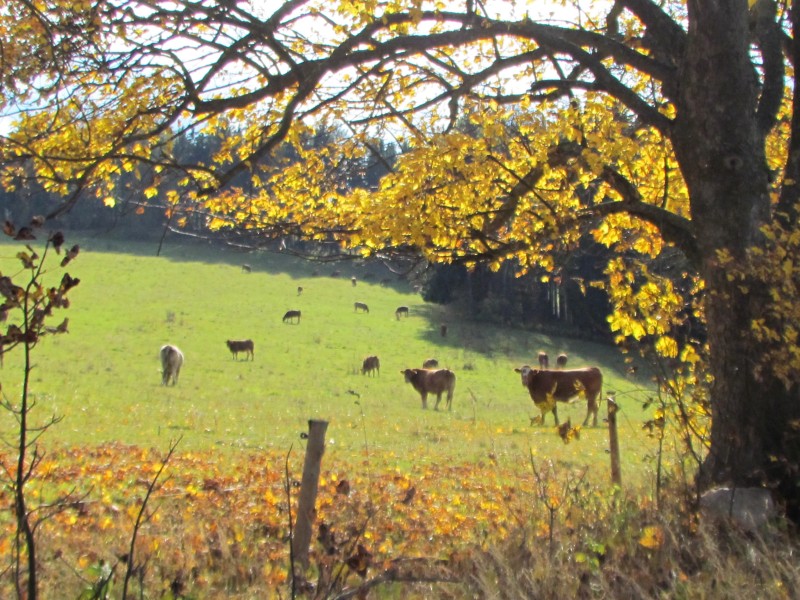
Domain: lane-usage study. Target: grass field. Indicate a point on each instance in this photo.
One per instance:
(504, 504)
(103, 377)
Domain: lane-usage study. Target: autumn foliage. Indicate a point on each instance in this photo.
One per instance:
(221, 523)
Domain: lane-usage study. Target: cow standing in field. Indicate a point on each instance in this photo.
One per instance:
(561, 361)
(432, 381)
(290, 315)
(431, 363)
(171, 363)
(354, 280)
(246, 346)
(360, 306)
(247, 268)
(544, 361)
(371, 364)
(547, 388)
(402, 311)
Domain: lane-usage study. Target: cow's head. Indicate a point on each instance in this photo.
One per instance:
(409, 374)
(524, 371)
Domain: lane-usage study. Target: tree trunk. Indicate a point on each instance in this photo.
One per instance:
(722, 153)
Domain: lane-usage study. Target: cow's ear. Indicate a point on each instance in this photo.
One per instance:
(518, 370)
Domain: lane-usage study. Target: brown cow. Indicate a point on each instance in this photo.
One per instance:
(543, 360)
(360, 306)
(246, 268)
(291, 314)
(431, 363)
(547, 388)
(402, 311)
(246, 346)
(371, 363)
(561, 361)
(432, 381)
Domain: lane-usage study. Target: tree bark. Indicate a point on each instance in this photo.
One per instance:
(721, 149)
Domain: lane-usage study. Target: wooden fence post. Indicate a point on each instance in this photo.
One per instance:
(613, 441)
(309, 485)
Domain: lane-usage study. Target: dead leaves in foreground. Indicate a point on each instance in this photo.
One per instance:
(218, 520)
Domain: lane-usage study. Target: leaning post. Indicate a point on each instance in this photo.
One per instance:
(613, 441)
(308, 491)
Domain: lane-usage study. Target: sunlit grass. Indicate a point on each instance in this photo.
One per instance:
(103, 377)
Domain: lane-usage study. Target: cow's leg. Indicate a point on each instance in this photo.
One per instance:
(438, 399)
(555, 414)
(424, 400)
(591, 409)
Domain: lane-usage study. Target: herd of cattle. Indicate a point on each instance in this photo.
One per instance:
(546, 386)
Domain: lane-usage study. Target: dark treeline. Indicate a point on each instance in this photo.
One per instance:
(562, 303)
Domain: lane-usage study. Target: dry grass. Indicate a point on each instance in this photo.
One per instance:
(638, 553)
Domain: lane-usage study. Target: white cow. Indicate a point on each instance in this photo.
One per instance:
(171, 363)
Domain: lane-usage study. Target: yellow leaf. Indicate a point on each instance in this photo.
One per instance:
(667, 347)
(109, 201)
(652, 537)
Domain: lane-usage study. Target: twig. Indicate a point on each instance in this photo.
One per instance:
(150, 489)
(288, 487)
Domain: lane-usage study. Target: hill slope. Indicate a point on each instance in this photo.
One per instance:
(104, 378)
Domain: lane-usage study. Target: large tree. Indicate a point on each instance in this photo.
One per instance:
(653, 125)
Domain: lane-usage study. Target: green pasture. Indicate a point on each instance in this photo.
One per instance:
(103, 378)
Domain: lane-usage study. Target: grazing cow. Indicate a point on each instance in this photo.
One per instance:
(246, 268)
(299, 289)
(443, 330)
(246, 346)
(431, 363)
(402, 311)
(432, 381)
(291, 314)
(543, 360)
(360, 306)
(561, 361)
(171, 363)
(547, 388)
(353, 280)
(371, 363)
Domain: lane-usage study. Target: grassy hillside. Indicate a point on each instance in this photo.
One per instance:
(104, 378)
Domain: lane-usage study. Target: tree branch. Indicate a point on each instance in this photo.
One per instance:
(674, 229)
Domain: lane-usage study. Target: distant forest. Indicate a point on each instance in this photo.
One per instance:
(561, 303)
